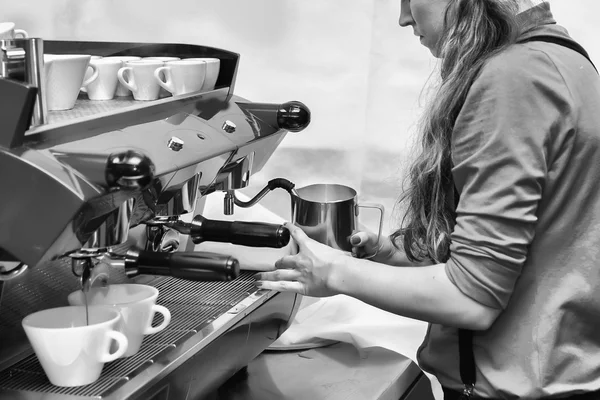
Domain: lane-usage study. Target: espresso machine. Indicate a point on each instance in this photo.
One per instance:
(113, 192)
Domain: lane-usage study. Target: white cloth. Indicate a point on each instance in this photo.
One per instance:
(345, 319)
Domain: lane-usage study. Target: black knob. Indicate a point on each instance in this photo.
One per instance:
(293, 116)
(129, 169)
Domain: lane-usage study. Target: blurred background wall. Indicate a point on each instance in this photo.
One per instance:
(360, 74)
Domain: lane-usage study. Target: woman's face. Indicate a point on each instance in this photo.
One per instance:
(426, 18)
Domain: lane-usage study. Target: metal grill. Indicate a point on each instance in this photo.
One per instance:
(193, 305)
(85, 108)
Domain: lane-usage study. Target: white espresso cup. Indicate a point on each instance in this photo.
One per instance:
(138, 76)
(64, 78)
(213, 66)
(8, 31)
(105, 85)
(181, 76)
(72, 352)
(163, 92)
(122, 91)
(137, 305)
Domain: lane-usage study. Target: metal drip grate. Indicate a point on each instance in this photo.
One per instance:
(85, 108)
(193, 305)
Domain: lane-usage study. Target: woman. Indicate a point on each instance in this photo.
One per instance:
(500, 246)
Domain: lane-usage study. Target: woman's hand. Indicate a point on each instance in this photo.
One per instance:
(308, 272)
(367, 245)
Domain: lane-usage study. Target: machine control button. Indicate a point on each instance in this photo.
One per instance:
(175, 143)
(229, 126)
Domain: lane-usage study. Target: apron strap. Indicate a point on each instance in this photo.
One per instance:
(571, 44)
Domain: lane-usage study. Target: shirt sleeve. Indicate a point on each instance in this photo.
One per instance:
(499, 151)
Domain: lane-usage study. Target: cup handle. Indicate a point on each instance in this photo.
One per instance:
(121, 76)
(22, 33)
(167, 84)
(122, 343)
(91, 78)
(381, 212)
(166, 319)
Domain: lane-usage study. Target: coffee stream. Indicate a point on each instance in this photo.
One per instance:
(85, 300)
(85, 288)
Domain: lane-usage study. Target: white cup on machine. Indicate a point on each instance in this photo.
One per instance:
(8, 31)
(65, 77)
(105, 85)
(181, 76)
(138, 76)
(213, 66)
(137, 305)
(71, 351)
(163, 92)
(122, 91)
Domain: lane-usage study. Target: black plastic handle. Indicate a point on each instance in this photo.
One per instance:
(196, 266)
(253, 234)
(281, 183)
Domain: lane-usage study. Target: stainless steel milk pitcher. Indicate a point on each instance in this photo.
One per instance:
(326, 212)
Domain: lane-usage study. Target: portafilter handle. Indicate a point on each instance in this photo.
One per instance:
(196, 265)
(252, 234)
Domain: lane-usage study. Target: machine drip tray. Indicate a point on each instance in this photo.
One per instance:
(193, 307)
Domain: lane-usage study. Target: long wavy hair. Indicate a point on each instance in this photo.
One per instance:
(474, 31)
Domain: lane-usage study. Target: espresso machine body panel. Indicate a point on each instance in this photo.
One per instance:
(92, 182)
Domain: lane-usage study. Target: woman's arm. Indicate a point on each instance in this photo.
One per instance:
(424, 293)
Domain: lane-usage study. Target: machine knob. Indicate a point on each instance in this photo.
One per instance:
(175, 143)
(129, 170)
(229, 126)
(293, 116)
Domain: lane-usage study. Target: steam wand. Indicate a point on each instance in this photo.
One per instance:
(273, 184)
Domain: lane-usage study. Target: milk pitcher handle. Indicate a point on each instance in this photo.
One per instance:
(381, 212)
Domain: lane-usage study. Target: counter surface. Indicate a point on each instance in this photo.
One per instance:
(335, 372)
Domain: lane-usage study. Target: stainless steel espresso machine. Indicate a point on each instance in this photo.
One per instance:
(112, 192)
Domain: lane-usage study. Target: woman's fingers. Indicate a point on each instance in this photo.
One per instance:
(279, 275)
(282, 286)
(364, 244)
(298, 235)
(359, 239)
(287, 262)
